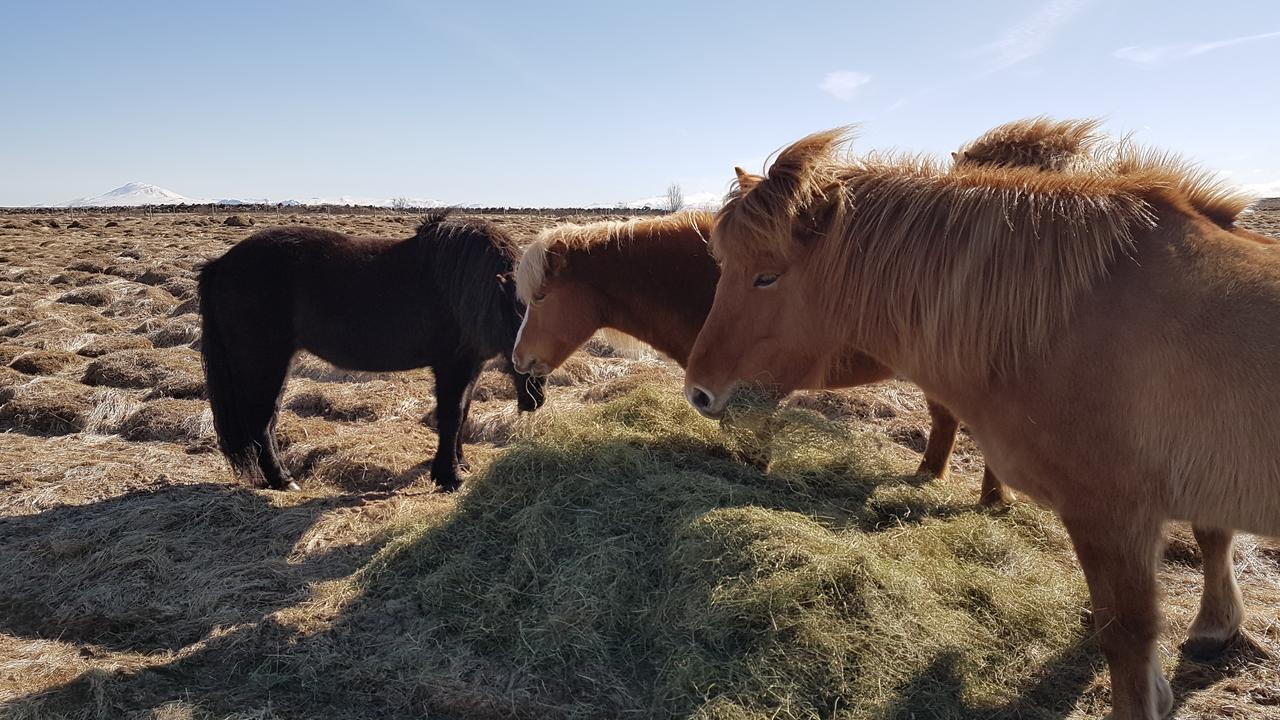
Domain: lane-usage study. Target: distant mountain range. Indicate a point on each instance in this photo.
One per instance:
(138, 194)
(132, 194)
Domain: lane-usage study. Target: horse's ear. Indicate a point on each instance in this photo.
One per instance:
(957, 157)
(796, 160)
(746, 180)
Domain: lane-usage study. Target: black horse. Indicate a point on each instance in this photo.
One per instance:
(443, 298)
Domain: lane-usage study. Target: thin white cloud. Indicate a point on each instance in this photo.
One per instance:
(1160, 54)
(1030, 37)
(1263, 189)
(843, 84)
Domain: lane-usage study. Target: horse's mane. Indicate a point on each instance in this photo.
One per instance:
(976, 263)
(1039, 142)
(1077, 145)
(563, 240)
(465, 258)
(1204, 189)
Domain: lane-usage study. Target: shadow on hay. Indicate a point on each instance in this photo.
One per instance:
(570, 581)
(159, 569)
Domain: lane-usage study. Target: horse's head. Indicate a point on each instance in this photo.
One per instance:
(561, 312)
(530, 389)
(761, 328)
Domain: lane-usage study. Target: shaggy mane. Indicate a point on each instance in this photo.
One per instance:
(976, 263)
(1039, 142)
(565, 239)
(1206, 191)
(1077, 145)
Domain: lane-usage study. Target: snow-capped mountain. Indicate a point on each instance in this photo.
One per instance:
(138, 193)
(692, 201)
(133, 194)
(406, 202)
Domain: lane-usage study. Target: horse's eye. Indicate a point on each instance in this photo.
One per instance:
(539, 297)
(764, 280)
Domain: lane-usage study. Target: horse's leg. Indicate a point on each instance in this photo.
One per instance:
(259, 396)
(454, 381)
(942, 440)
(993, 492)
(1221, 607)
(458, 459)
(1119, 558)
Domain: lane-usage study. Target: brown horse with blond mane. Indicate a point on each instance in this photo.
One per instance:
(1119, 368)
(652, 279)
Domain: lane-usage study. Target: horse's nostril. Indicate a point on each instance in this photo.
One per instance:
(700, 399)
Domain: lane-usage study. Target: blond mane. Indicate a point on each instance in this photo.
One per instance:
(978, 263)
(562, 240)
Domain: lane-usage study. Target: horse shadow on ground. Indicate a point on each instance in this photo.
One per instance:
(406, 644)
(156, 570)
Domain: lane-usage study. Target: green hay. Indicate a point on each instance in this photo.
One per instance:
(617, 562)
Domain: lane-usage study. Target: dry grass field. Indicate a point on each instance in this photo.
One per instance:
(613, 555)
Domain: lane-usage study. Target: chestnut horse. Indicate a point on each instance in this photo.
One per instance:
(1059, 145)
(442, 298)
(652, 279)
(1120, 368)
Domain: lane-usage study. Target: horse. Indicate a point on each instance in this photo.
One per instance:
(1059, 145)
(652, 279)
(443, 299)
(1118, 369)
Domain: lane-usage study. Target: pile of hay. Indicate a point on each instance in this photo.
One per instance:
(616, 561)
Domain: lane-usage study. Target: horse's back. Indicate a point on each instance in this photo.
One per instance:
(1167, 376)
(360, 303)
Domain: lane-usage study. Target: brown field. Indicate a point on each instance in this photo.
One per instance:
(608, 556)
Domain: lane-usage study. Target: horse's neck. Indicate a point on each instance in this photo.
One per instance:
(658, 291)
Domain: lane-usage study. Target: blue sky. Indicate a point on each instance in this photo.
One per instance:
(565, 103)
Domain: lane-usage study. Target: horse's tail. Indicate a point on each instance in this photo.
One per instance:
(233, 436)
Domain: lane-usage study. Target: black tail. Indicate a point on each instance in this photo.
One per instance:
(233, 436)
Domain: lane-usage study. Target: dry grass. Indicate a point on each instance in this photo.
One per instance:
(43, 362)
(611, 556)
(173, 373)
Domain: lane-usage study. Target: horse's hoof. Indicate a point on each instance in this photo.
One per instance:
(1202, 649)
(931, 472)
(292, 486)
(447, 485)
(996, 502)
(1240, 642)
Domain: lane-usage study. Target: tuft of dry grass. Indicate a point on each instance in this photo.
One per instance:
(93, 296)
(186, 422)
(101, 345)
(44, 362)
(171, 332)
(170, 372)
(47, 406)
